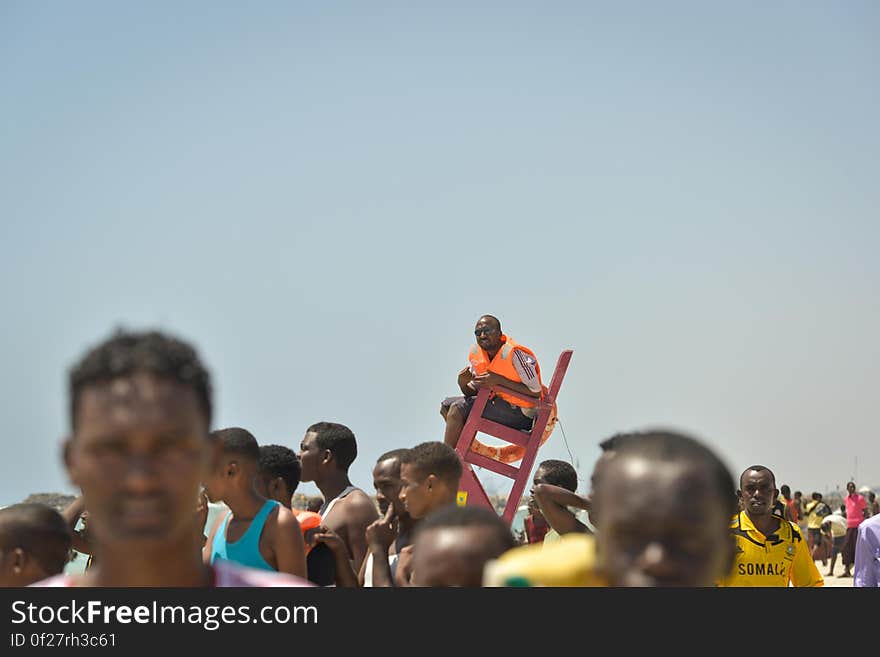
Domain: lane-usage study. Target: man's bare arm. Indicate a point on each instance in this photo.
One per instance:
(359, 516)
(345, 575)
(289, 547)
(554, 502)
(403, 574)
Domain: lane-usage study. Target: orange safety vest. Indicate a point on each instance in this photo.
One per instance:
(503, 364)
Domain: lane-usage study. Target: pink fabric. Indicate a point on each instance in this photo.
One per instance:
(855, 510)
(226, 574)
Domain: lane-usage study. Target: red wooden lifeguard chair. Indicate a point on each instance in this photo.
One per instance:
(471, 491)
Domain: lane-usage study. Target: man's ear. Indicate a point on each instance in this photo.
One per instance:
(432, 481)
(232, 468)
(739, 493)
(19, 560)
(275, 485)
(327, 457)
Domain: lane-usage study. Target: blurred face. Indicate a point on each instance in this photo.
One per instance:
(757, 493)
(487, 334)
(310, 456)
(850, 488)
(452, 556)
(139, 452)
(415, 491)
(386, 481)
(662, 525)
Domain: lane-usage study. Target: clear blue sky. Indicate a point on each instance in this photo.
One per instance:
(324, 197)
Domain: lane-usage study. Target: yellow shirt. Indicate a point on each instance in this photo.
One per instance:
(568, 561)
(770, 560)
(814, 519)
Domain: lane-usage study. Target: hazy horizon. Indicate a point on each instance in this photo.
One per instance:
(323, 199)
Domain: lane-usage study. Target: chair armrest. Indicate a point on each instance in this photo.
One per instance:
(518, 395)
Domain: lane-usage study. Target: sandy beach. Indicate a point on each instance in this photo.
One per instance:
(835, 581)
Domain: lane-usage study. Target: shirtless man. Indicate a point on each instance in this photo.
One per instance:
(327, 451)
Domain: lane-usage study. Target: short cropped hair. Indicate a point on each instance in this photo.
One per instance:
(493, 319)
(470, 516)
(393, 454)
(434, 458)
(280, 461)
(663, 446)
(39, 530)
(560, 473)
(238, 441)
(339, 439)
(126, 353)
(758, 468)
(618, 439)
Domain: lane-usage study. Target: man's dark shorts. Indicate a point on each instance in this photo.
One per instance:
(496, 410)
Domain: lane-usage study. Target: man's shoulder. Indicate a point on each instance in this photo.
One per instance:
(283, 516)
(735, 520)
(527, 354)
(796, 534)
(358, 504)
(523, 349)
(872, 523)
(355, 506)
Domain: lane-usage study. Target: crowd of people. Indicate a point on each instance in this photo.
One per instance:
(662, 510)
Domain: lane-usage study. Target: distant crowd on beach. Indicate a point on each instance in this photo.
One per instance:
(168, 500)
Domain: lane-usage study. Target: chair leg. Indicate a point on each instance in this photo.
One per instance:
(470, 486)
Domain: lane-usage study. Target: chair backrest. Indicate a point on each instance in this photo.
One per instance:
(470, 488)
(559, 374)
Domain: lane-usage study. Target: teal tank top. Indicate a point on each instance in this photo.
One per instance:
(246, 550)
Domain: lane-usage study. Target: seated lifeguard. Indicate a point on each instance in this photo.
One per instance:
(495, 359)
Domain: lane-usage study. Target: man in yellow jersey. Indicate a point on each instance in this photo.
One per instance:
(770, 550)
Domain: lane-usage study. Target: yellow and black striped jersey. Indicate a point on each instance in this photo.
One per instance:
(773, 560)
